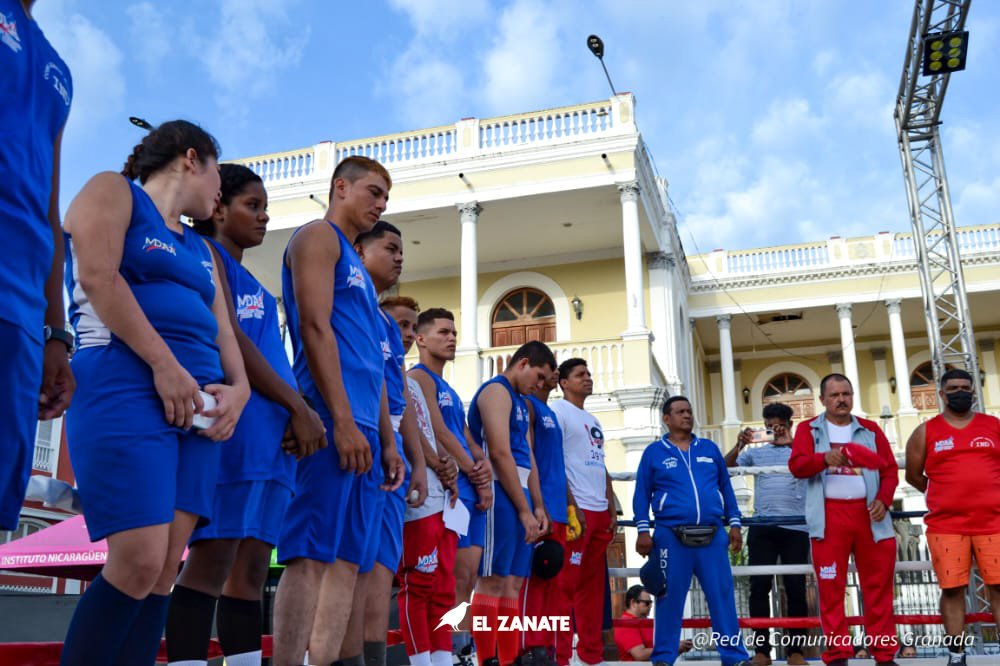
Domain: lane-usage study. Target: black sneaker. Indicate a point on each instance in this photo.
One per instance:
(467, 656)
(536, 656)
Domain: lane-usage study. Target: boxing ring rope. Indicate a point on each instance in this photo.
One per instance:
(47, 654)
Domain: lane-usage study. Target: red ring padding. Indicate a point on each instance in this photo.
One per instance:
(800, 622)
(47, 654)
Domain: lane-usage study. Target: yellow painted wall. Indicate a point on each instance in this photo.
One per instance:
(599, 284)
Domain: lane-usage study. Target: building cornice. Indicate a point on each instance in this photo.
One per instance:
(709, 284)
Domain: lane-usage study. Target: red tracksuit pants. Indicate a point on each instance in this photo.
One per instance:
(540, 597)
(848, 530)
(582, 580)
(426, 584)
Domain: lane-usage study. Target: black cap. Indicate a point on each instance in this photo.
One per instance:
(547, 559)
(653, 577)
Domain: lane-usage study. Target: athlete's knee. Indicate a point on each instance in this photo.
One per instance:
(209, 563)
(138, 573)
(952, 593)
(465, 579)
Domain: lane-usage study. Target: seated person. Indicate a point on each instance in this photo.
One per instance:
(636, 643)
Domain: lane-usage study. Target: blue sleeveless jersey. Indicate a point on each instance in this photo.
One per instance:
(356, 325)
(170, 275)
(453, 414)
(549, 458)
(254, 451)
(35, 89)
(519, 446)
(394, 356)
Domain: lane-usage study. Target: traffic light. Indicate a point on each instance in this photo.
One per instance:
(944, 52)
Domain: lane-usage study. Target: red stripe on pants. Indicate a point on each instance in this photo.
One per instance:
(424, 596)
(848, 530)
(544, 597)
(582, 580)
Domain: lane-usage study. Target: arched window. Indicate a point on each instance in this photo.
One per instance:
(25, 527)
(923, 391)
(793, 391)
(521, 316)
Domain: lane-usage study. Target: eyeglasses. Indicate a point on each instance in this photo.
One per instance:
(644, 601)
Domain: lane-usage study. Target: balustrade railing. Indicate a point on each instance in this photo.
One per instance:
(605, 359)
(545, 126)
(425, 145)
(880, 248)
(770, 259)
(468, 138)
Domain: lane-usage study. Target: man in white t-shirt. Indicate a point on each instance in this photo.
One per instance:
(851, 475)
(591, 502)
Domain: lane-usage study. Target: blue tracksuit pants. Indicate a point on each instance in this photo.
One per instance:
(711, 565)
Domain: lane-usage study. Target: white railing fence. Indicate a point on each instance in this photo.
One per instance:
(469, 137)
(605, 359)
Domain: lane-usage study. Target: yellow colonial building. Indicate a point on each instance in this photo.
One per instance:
(554, 225)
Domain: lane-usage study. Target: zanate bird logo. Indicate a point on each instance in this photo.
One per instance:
(453, 617)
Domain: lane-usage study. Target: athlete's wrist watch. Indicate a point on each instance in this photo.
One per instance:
(59, 335)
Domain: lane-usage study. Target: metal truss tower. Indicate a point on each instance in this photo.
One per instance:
(946, 304)
(918, 113)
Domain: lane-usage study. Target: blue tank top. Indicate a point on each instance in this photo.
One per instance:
(518, 422)
(170, 275)
(394, 356)
(36, 90)
(549, 458)
(356, 325)
(453, 414)
(254, 452)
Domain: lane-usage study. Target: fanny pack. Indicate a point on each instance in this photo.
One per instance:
(695, 535)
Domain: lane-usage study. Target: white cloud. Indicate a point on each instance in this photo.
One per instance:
(522, 66)
(978, 203)
(149, 33)
(863, 100)
(245, 58)
(788, 123)
(443, 19)
(94, 60)
(425, 91)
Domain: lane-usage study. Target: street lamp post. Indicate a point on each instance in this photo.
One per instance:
(596, 46)
(141, 123)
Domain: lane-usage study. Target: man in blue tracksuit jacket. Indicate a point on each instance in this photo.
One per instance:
(684, 480)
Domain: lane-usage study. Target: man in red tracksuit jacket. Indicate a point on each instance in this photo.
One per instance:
(852, 475)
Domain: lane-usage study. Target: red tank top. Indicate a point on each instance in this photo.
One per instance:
(963, 466)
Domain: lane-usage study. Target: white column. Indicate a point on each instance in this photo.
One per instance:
(899, 365)
(467, 333)
(730, 415)
(848, 351)
(664, 321)
(632, 243)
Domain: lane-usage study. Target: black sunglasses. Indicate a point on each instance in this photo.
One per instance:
(644, 601)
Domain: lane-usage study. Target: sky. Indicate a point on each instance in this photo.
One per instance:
(771, 119)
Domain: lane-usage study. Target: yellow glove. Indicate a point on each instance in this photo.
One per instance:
(573, 529)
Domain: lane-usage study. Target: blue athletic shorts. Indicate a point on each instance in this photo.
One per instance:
(477, 526)
(247, 509)
(132, 468)
(331, 513)
(505, 553)
(21, 373)
(390, 542)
